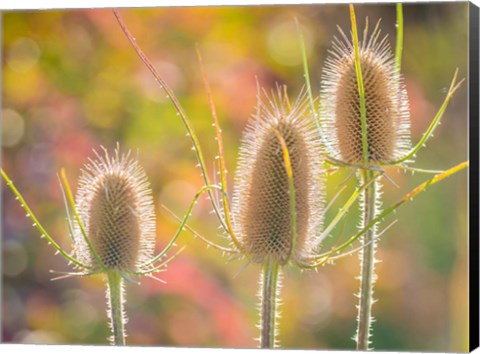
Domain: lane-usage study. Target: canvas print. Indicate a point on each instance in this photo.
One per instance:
(237, 177)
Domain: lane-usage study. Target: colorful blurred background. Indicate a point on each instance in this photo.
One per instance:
(72, 82)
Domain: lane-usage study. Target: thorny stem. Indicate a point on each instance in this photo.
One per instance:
(68, 190)
(116, 302)
(180, 111)
(182, 225)
(454, 86)
(408, 197)
(37, 224)
(221, 155)
(367, 259)
(268, 305)
(306, 75)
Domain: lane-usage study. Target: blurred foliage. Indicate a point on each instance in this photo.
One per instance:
(71, 82)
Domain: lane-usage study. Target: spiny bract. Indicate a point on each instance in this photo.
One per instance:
(387, 111)
(115, 205)
(261, 203)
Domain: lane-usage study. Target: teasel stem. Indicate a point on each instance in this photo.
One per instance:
(367, 262)
(361, 89)
(367, 254)
(399, 42)
(269, 287)
(116, 301)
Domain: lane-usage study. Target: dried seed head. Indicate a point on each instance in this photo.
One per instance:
(261, 204)
(387, 112)
(115, 205)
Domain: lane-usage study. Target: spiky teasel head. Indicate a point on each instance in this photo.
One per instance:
(116, 208)
(261, 209)
(386, 101)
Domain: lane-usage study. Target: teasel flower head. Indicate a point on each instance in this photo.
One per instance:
(116, 208)
(261, 211)
(387, 109)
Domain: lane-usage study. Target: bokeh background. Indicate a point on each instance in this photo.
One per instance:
(71, 82)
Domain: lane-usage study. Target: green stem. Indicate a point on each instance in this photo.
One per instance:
(399, 44)
(306, 74)
(116, 302)
(361, 89)
(367, 258)
(268, 304)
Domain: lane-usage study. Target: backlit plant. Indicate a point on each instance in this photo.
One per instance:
(364, 124)
(276, 213)
(112, 228)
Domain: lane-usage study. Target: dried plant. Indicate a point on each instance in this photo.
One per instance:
(261, 207)
(386, 103)
(276, 213)
(115, 204)
(113, 228)
(364, 125)
(278, 169)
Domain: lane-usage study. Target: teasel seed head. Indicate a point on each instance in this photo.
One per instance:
(387, 110)
(116, 207)
(261, 208)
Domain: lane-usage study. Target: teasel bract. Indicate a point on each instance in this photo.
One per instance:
(113, 228)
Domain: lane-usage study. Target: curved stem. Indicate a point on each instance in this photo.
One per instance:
(268, 294)
(116, 312)
(382, 215)
(223, 169)
(182, 225)
(434, 124)
(196, 234)
(180, 112)
(36, 223)
(367, 258)
(63, 176)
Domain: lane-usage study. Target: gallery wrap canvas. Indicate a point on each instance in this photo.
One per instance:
(284, 176)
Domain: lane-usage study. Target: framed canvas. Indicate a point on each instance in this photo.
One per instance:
(248, 176)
